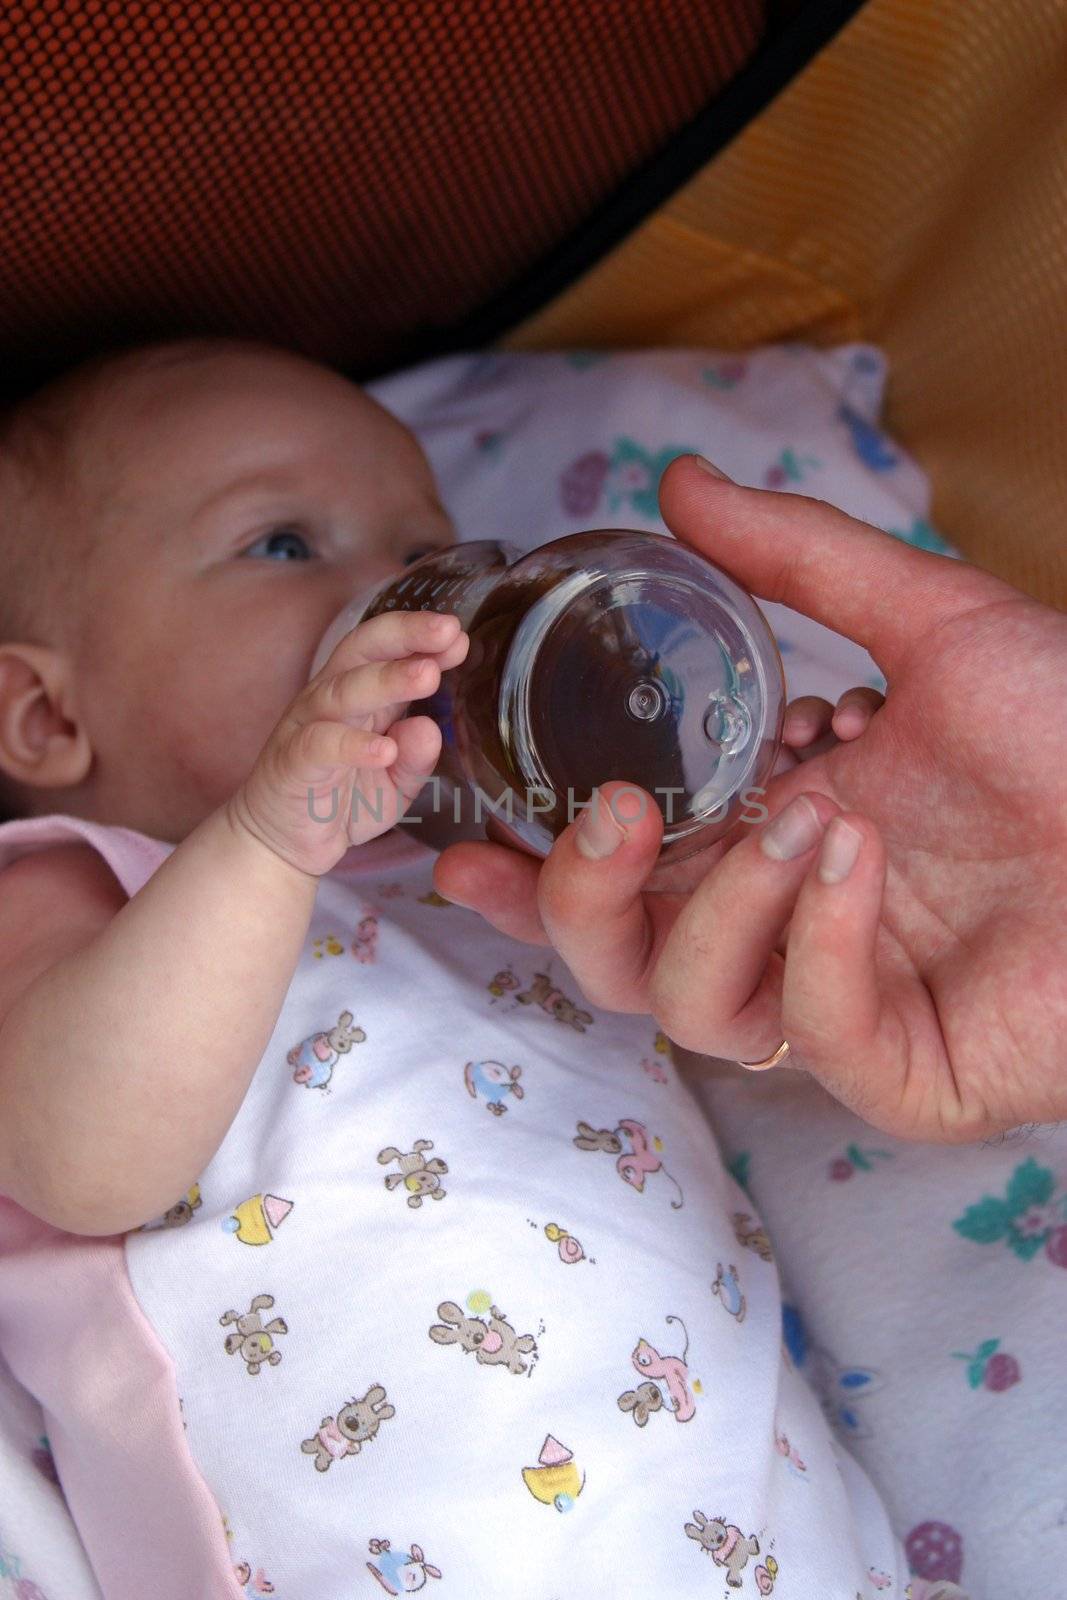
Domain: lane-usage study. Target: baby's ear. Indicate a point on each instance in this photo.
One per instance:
(43, 742)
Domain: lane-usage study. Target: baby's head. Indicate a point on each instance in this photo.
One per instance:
(178, 525)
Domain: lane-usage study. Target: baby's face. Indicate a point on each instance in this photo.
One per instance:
(241, 501)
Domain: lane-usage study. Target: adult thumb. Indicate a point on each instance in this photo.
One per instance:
(866, 584)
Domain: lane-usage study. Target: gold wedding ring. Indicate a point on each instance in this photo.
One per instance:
(771, 1061)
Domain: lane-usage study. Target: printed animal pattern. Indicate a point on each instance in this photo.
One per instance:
(377, 1212)
(728, 1287)
(419, 1176)
(493, 1082)
(400, 1572)
(356, 1424)
(254, 1339)
(492, 1344)
(674, 1392)
(636, 1163)
(313, 1060)
(726, 1545)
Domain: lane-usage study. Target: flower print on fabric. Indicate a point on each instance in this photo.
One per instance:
(626, 480)
(869, 442)
(990, 1367)
(935, 1550)
(724, 374)
(1030, 1218)
(856, 1159)
(790, 468)
(841, 1389)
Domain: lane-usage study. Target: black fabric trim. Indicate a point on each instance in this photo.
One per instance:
(780, 59)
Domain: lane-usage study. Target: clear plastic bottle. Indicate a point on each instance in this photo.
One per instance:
(607, 654)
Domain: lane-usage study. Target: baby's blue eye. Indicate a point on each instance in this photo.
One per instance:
(283, 544)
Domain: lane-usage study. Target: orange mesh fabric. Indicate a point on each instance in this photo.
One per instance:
(333, 175)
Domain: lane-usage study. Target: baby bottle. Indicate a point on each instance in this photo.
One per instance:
(607, 654)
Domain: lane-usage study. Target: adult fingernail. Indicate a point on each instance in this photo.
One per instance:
(598, 835)
(705, 466)
(839, 851)
(793, 831)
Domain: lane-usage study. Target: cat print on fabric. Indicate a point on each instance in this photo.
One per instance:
(673, 1373)
(636, 1164)
(356, 1424)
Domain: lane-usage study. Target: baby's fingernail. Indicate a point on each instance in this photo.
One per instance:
(598, 835)
(849, 721)
(839, 851)
(798, 730)
(793, 831)
(705, 466)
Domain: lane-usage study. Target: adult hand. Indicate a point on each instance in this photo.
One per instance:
(901, 919)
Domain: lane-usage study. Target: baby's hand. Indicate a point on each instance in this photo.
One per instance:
(344, 763)
(813, 725)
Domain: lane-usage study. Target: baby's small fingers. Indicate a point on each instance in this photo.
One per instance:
(806, 719)
(375, 686)
(418, 745)
(391, 635)
(324, 747)
(854, 711)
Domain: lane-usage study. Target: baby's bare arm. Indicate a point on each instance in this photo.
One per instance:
(126, 1052)
(123, 1064)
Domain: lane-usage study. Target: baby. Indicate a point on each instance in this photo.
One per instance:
(292, 1147)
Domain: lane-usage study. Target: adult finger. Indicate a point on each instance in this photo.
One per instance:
(496, 881)
(885, 595)
(885, 1061)
(718, 984)
(591, 900)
